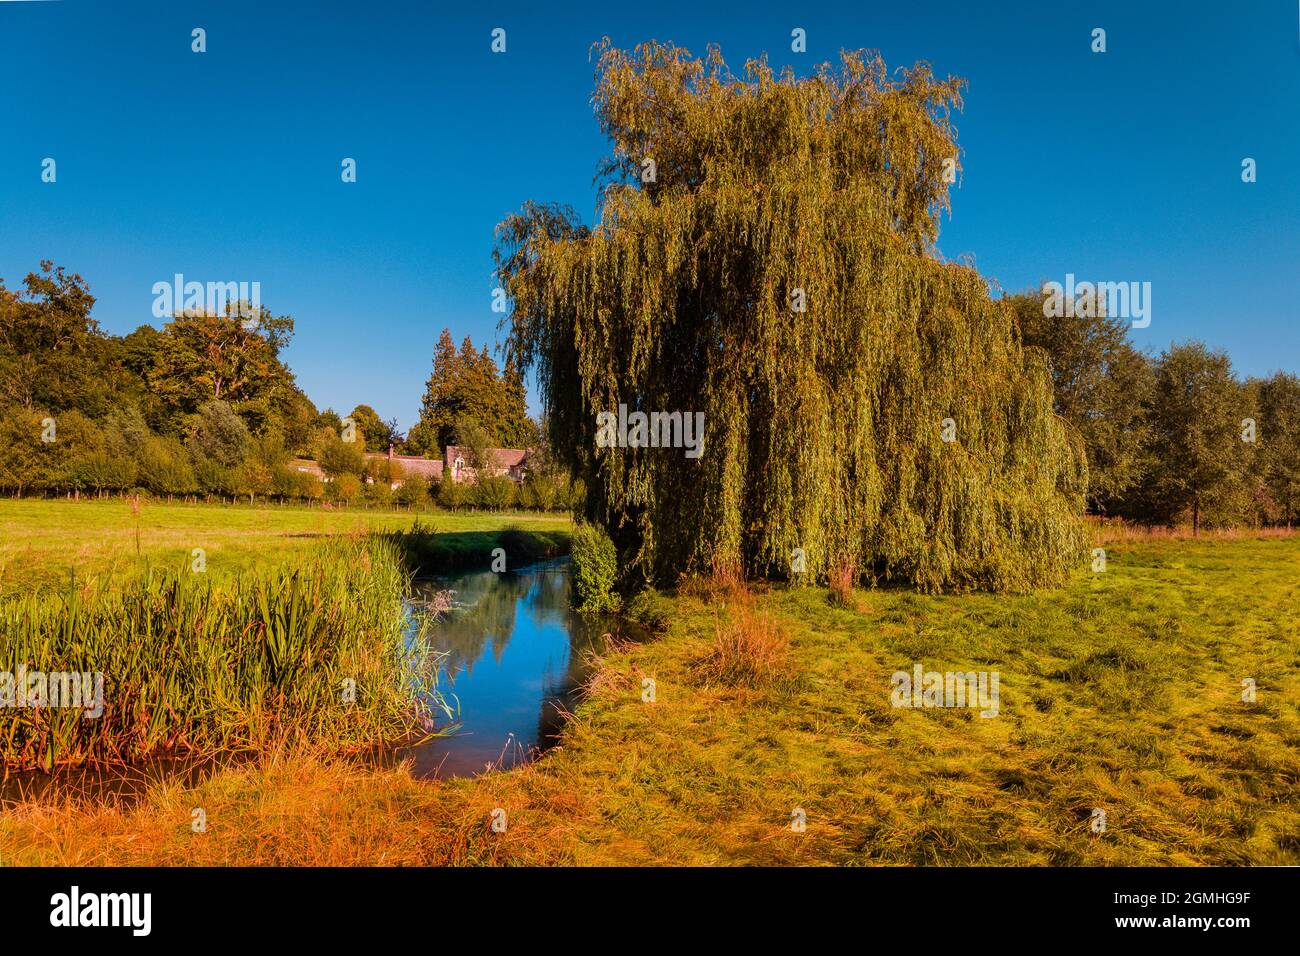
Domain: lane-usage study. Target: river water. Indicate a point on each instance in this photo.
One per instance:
(514, 657)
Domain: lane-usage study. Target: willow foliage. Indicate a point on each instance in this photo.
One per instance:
(824, 427)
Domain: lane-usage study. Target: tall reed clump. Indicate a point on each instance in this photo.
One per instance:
(840, 580)
(312, 655)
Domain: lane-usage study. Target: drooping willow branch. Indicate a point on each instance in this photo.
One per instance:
(776, 272)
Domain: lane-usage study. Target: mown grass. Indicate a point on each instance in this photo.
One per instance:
(44, 544)
(1120, 692)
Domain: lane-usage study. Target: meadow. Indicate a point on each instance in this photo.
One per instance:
(1123, 692)
(47, 543)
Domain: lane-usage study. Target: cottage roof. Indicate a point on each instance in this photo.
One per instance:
(506, 458)
(412, 465)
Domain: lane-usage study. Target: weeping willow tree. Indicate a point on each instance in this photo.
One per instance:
(764, 254)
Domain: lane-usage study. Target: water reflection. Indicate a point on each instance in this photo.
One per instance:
(515, 654)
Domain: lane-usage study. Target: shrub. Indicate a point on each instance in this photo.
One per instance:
(218, 434)
(104, 471)
(651, 610)
(290, 483)
(164, 470)
(255, 478)
(209, 476)
(450, 493)
(526, 497)
(337, 457)
(377, 492)
(344, 488)
(595, 569)
(285, 482)
(312, 488)
(496, 493)
(383, 471)
(411, 493)
(540, 492)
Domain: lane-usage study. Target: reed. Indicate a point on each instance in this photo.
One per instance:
(312, 654)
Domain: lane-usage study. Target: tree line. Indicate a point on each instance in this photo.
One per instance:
(1173, 438)
(205, 406)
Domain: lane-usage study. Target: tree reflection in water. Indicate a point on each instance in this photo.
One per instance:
(514, 657)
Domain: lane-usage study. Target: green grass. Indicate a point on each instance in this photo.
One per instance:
(1119, 692)
(44, 543)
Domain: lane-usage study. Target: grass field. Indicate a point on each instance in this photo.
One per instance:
(1121, 692)
(43, 543)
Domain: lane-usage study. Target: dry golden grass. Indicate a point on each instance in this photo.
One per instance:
(750, 649)
(1107, 531)
(726, 581)
(289, 810)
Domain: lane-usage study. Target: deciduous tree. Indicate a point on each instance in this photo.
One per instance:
(764, 256)
(1200, 459)
(1101, 386)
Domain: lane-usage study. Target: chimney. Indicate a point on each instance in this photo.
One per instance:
(390, 461)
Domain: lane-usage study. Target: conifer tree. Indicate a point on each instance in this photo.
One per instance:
(467, 385)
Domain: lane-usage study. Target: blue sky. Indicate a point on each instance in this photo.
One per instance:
(1123, 166)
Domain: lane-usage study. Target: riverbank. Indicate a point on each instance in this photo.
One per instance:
(273, 628)
(1121, 693)
(176, 662)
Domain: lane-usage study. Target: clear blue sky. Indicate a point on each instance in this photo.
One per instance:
(225, 165)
